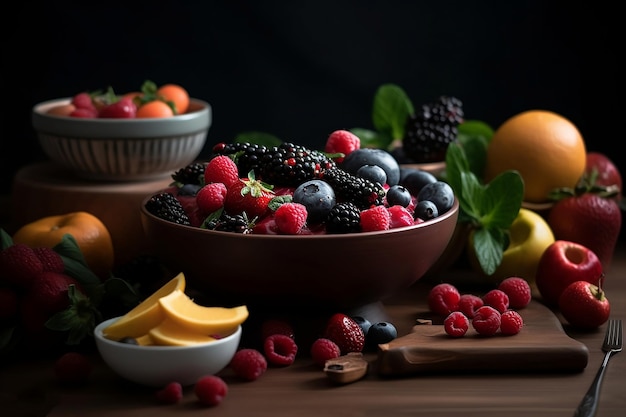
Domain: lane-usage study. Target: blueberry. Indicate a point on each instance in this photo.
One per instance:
(438, 192)
(363, 323)
(373, 173)
(415, 179)
(397, 195)
(128, 340)
(189, 189)
(379, 333)
(372, 156)
(425, 210)
(318, 197)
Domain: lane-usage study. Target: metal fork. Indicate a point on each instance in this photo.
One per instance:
(612, 344)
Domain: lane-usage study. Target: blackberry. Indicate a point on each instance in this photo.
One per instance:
(291, 165)
(237, 223)
(166, 206)
(362, 192)
(343, 218)
(246, 155)
(191, 174)
(430, 130)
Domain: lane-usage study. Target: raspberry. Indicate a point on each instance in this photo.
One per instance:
(275, 326)
(469, 303)
(399, 217)
(497, 299)
(50, 259)
(210, 198)
(221, 169)
(248, 364)
(170, 394)
(72, 368)
(375, 218)
(19, 265)
(342, 141)
(456, 324)
(518, 290)
(511, 322)
(290, 218)
(486, 321)
(443, 299)
(280, 349)
(324, 349)
(211, 390)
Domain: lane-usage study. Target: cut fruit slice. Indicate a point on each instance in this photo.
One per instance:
(145, 316)
(169, 333)
(145, 340)
(182, 310)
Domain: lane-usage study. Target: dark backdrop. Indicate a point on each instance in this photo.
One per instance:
(300, 70)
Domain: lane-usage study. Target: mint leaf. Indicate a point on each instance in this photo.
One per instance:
(390, 110)
(5, 239)
(488, 246)
(78, 320)
(76, 267)
(502, 200)
(371, 138)
(474, 136)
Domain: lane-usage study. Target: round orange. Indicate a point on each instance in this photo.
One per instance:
(177, 95)
(91, 235)
(545, 148)
(154, 108)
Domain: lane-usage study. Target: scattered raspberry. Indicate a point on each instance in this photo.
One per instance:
(497, 299)
(469, 303)
(72, 368)
(399, 217)
(290, 218)
(248, 364)
(486, 321)
(276, 326)
(345, 332)
(211, 197)
(443, 299)
(221, 169)
(170, 394)
(324, 349)
(456, 324)
(518, 290)
(211, 390)
(511, 322)
(50, 259)
(19, 265)
(342, 141)
(280, 350)
(375, 218)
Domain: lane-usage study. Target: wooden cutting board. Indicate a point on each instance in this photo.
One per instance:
(541, 346)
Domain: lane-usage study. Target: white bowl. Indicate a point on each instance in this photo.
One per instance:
(157, 366)
(122, 149)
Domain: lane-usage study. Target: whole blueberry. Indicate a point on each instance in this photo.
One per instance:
(373, 173)
(318, 197)
(379, 333)
(398, 195)
(425, 210)
(415, 179)
(363, 323)
(189, 189)
(373, 156)
(438, 192)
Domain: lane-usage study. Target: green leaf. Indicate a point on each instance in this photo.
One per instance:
(372, 139)
(501, 200)
(488, 246)
(259, 138)
(278, 201)
(78, 320)
(6, 239)
(76, 267)
(121, 291)
(390, 110)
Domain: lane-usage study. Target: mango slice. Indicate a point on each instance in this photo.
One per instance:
(169, 333)
(183, 311)
(145, 316)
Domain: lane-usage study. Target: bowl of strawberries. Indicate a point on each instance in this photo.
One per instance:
(290, 227)
(123, 137)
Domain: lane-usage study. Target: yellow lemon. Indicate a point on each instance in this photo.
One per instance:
(182, 310)
(169, 333)
(145, 316)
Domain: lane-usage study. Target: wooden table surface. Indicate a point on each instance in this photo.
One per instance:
(28, 388)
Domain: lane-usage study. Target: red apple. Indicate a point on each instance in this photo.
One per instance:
(584, 305)
(562, 263)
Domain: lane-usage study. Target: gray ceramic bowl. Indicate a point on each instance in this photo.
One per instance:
(316, 271)
(122, 149)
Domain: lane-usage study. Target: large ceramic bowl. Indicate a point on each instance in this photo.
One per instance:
(159, 365)
(122, 149)
(306, 272)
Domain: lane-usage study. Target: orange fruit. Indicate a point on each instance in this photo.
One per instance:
(545, 148)
(154, 108)
(91, 235)
(177, 95)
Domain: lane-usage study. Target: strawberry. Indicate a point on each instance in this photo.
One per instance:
(588, 215)
(49, 289)
(250, 196)
(19, 265)
(345, 332)
(50, 259)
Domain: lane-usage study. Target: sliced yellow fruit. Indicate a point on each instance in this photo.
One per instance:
(169, 333)
(182, 310)
(145, 340)
(145, 316)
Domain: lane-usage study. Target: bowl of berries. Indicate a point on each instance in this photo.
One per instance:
(290, 227)
(135, 136)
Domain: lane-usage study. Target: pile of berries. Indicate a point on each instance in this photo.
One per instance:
(289, 189)
(494, 311)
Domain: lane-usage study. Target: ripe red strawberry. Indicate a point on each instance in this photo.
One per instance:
(342, 141)
(345, 332)
(19, 265)
(49, 290)
(250, 196)
(607, 171)
(584, 305)
(50, 259)
(221, 169)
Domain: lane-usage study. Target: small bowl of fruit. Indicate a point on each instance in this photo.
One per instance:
(131, 137)
(168, 337)
(288, 227)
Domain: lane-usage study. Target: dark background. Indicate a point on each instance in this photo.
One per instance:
(300, 70)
